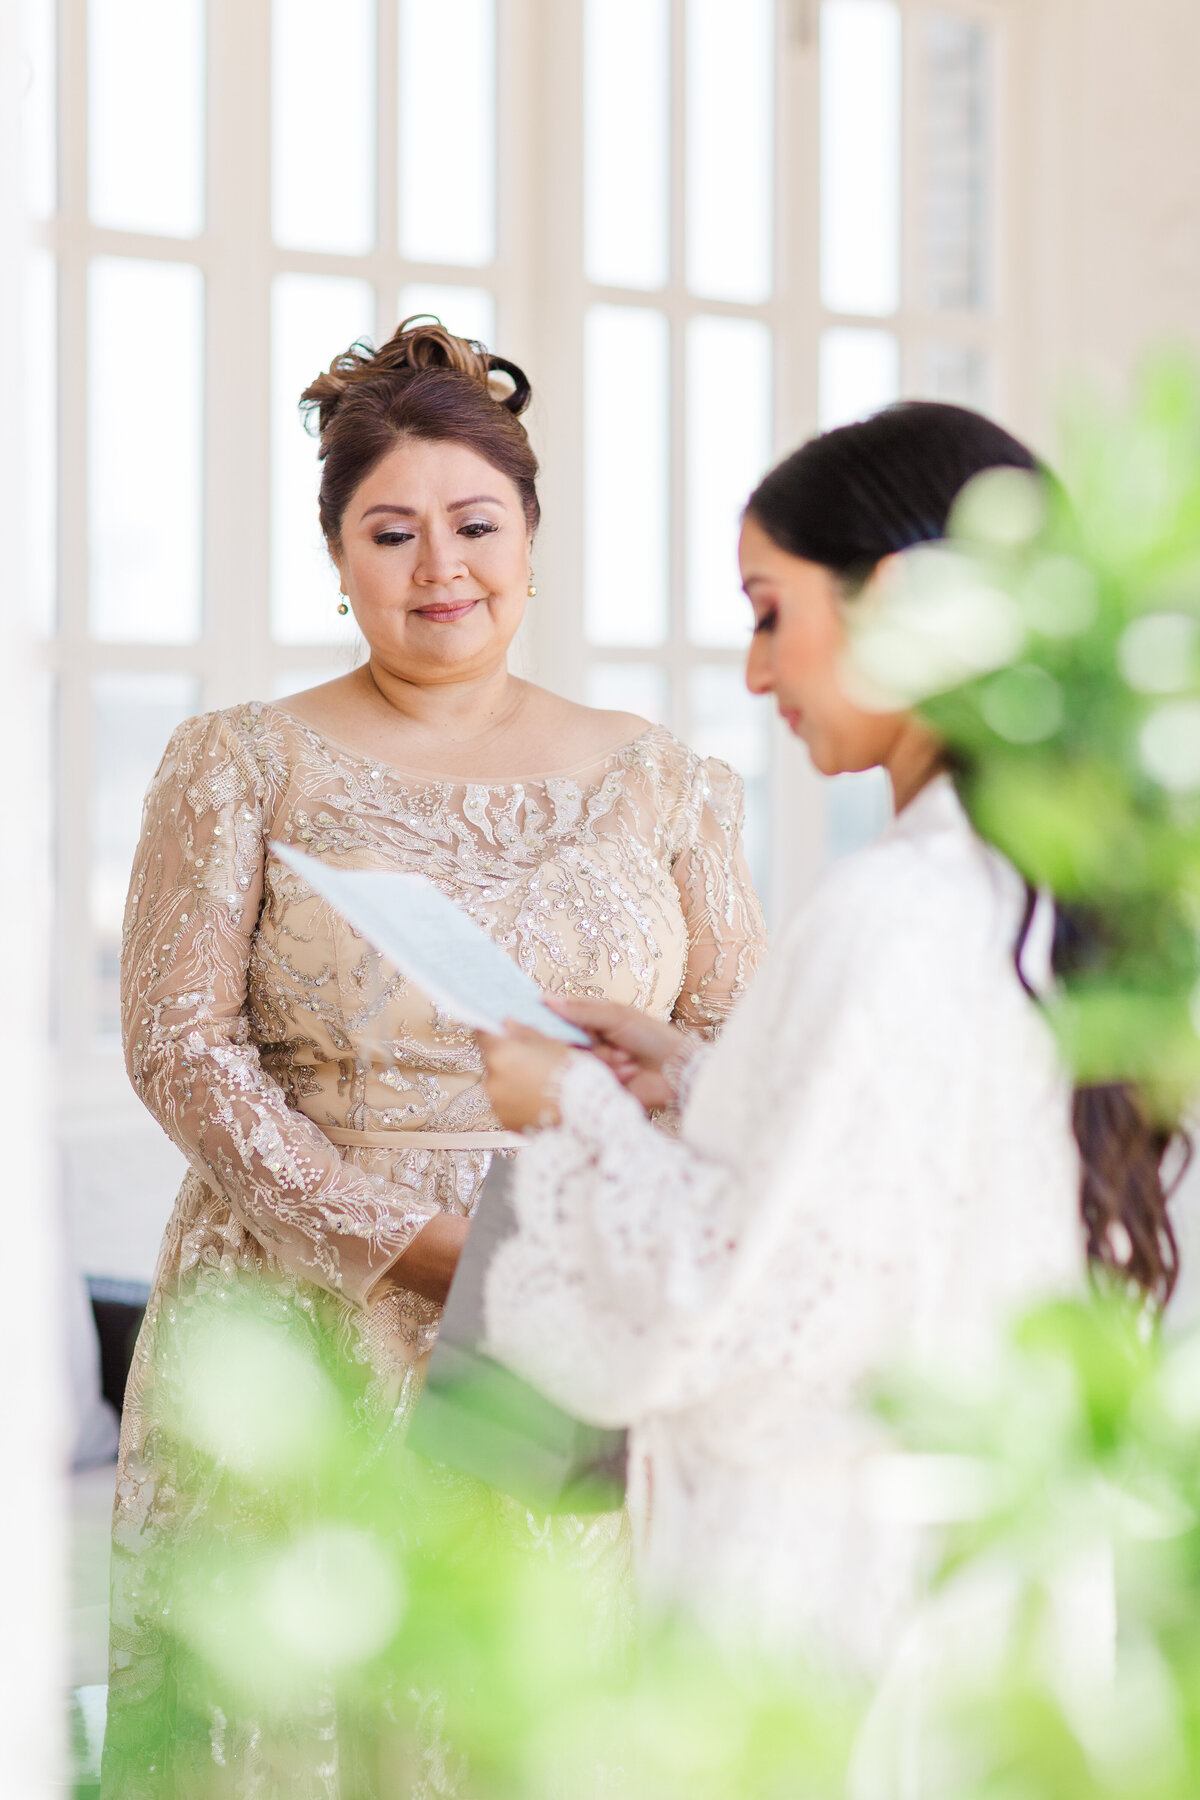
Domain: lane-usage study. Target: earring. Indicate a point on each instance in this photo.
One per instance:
(531, 590)
(343, 608)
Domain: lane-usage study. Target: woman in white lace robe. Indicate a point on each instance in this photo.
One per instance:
(334, 1120)
(877, 1160)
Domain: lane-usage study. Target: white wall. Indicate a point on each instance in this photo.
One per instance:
(1110, 97)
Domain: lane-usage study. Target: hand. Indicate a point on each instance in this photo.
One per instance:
(428, 1265)
(634, 1045)
(523, 1071)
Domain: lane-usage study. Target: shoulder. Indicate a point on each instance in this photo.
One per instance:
(689, 785)
(235, 753)
(930, 888)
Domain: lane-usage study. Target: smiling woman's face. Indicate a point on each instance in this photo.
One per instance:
(434, 560)
(798, 654)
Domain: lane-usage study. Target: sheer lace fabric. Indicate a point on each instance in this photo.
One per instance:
(255, 1019)
(876, 1163)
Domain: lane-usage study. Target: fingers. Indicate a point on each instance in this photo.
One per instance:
(593, 1015)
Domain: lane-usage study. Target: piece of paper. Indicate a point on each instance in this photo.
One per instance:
(434, 943)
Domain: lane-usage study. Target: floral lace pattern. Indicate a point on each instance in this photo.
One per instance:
(255, 1019)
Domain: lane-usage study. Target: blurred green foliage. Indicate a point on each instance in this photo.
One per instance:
(1054, 644)
(358, 1584)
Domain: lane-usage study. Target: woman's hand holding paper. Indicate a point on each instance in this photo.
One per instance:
(523, 1071)
(644, 1054)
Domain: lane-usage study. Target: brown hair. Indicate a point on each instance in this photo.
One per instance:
(423, 383)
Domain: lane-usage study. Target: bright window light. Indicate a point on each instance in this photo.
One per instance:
(861, 74)
(626, 482)
(323, 153)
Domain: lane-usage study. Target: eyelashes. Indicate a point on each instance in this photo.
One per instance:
(473, 529)
(768, 622)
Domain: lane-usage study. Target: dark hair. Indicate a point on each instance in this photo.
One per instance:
(423, 383)
(846, 500)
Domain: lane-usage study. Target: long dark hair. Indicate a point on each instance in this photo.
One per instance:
(846, 500)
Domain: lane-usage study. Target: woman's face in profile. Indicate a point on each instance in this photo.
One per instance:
(798, 654)
(434, 560)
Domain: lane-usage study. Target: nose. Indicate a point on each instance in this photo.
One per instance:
(440, 560)
(760, 676)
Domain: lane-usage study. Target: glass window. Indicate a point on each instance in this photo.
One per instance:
(956, 372)
(468, 312)
(728, 447)
(730, 149)
(640, 688)
(955, 127)
(447, 103)
(859, 373)
(145, 450)
(39, 113)
(729, 722)
(860, 156)
(132, 718)
(313, 319)
(627, 144)
(323, 130)
(40, 460)
(626, 480)
(146, 115)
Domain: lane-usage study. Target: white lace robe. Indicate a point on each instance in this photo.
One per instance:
(876, 1162)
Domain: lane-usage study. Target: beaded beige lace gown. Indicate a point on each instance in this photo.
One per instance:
(327, 1109)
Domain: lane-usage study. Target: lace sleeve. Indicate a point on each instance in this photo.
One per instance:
(617, 1283)
(193, 905)
(726, 931)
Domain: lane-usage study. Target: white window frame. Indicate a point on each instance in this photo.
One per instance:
(541, 298)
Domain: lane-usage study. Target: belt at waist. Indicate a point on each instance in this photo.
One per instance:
(399, 1139)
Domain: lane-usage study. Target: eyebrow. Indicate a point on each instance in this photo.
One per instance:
(410, 512)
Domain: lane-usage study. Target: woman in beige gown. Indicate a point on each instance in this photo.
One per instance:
(334, 1121)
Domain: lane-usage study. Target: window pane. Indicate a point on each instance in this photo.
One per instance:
(627, 148)
(859, 373)
(956, 372)
(728, 448)
(313, 319)
(39, 114)
(40, 457)
(447, 102)
(627, 492)
(640, 688)
(323, 150)
(145, 458)
(955, 124)
(727, 721)
(730, 149)
(860, 156)
(132, 718)
(468, 312)
(146, 115)
(859, 808)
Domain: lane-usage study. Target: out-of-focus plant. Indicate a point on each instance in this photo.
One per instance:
(347, 1581)
(335, 1578)
(1054, 643)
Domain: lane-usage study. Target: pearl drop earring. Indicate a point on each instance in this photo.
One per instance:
(343, 608)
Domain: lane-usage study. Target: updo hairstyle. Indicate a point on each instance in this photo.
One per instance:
(423, 383)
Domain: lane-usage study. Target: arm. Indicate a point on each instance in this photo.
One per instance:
(194, 899)
(727, 934)
(818, 1214)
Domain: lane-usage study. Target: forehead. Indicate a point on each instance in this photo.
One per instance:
(424, 471)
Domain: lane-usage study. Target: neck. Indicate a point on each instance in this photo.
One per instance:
(914, 760)
(459, 711)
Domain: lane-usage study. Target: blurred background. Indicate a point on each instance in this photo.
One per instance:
(704, 227)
